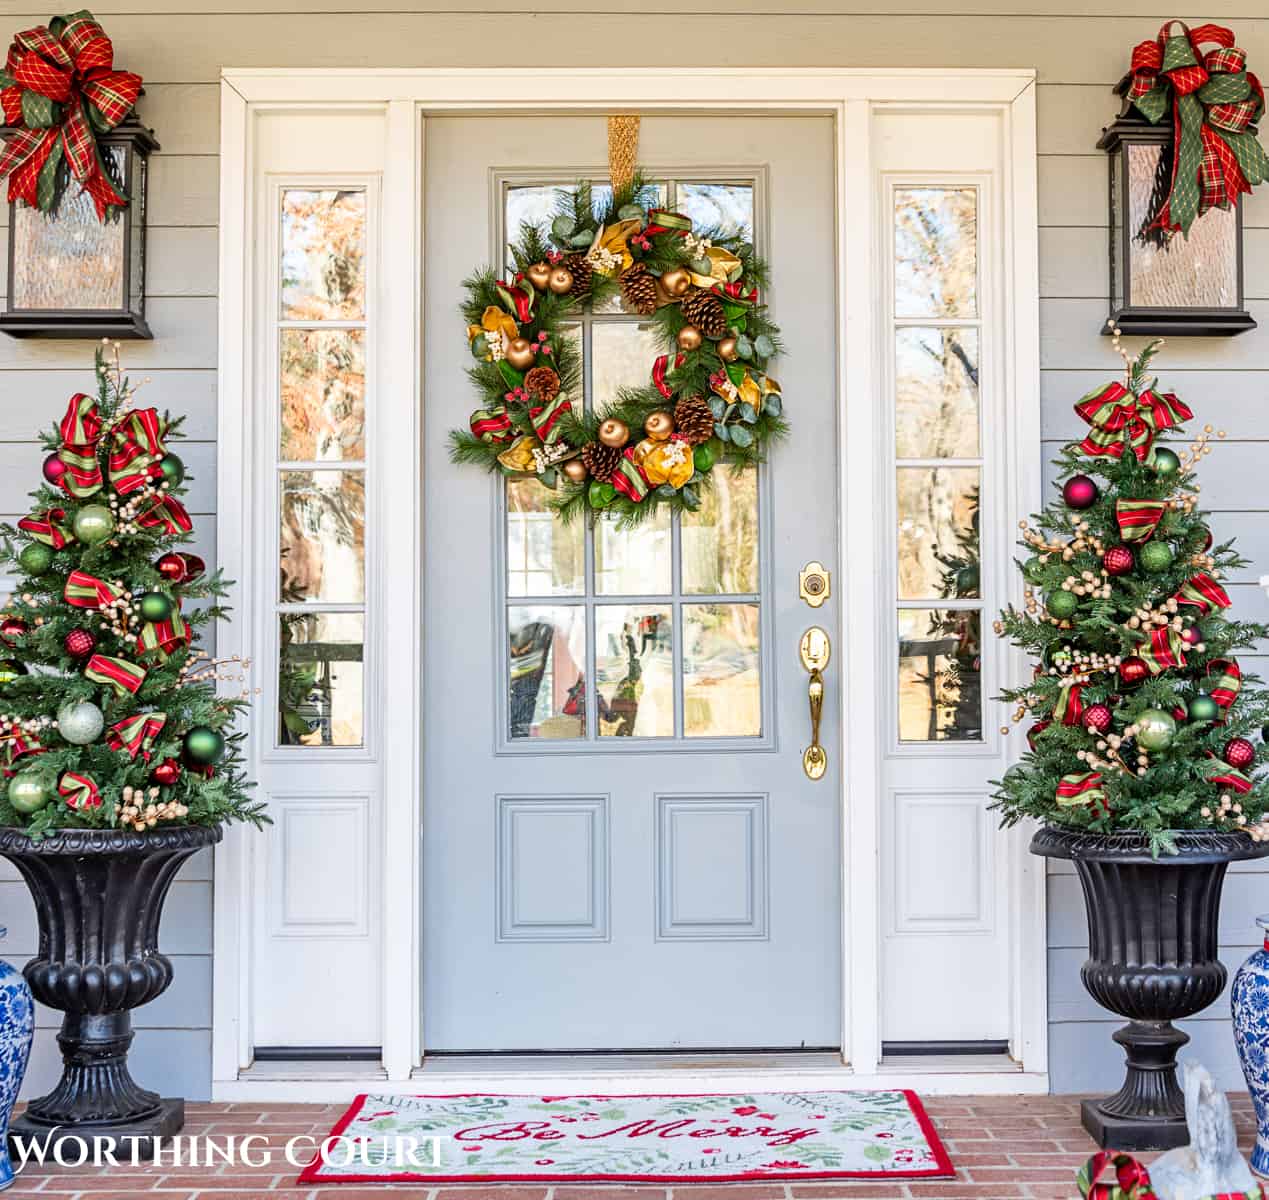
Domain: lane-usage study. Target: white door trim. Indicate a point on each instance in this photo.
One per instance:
(404, 96)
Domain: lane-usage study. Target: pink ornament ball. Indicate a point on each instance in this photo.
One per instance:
(1080, 492)
(54, 470)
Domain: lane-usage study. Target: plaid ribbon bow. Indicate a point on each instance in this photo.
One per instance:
(1083, 791)
(1230, 778)
(1226, 679)
(48, 527)
(80, 429)
(118, 673)
(1202, 592)
(160, 639)
(17, 747)
(137, 449)
(629, 478)
(79, 791)
(1121, 421)
(60, 89)
(1069, 709)
(1138, 519)
(1215, 102)
(166, 513)
(1163, 649)
(136, 734)
(1132, 1180)
(87, 591)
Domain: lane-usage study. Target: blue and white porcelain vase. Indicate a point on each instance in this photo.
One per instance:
(1249, 999)
(17, 1029)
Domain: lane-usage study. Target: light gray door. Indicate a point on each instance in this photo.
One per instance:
(620, 846)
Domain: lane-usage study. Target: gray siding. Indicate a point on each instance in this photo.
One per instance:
(1078, 47)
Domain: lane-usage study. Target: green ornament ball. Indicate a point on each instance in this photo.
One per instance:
(80, 722)
(967, 580)
(29, 792)
(203, 746)
(1165, 461)
(156, 606)
(703, 458)
(1062, 604)
(1204, 709)
(1155, 557)
(1155, 729)
(93, 523)
(1033, 570)
(173, 470)
(601, 494)
(36, 558)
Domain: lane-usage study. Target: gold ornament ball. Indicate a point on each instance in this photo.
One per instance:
(520, 353)
(676, 281)
(561, 281)
(689, 338)
(574, 470)
(659, 425)
(727, 350)
(614, 433)
(540, 275)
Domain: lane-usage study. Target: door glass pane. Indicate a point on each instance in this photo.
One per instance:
(546, 657)
(936, 252)
(634, 665)
(726, 207)
(320, 679)
(939, 673)
(323, 255)
(622, 354)
(722, 690)
(938, 532)
(720, 539)
(936, 393)
(323, 395)
(322, 542)
(633, 562)
(545, 557)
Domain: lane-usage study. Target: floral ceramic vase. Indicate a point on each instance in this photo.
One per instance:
(1250, 1001)
(17, 1028)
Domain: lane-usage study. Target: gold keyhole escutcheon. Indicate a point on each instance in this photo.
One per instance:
(815, 584)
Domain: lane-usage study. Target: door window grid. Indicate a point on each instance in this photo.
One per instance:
(321, 327)
(937, 341)
(651, 687)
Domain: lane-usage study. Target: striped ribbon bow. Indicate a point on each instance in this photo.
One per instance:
(1132, 1180)
(1203, 593)
(60, 90)
(1228, 683)
(124, 676)
(1069, 708)
(1138, 519)
(18, 746)
(79, 791)
(48, 527)
(1034, 732)
(167, 513)
(545, 418)
(629, 478)
(1121, 421)
(80, 428)
(660, 369)
(1162, 650)
(136, 450)
(1215, 102)
(492, 425)
(159, 639)
(1084, 790)
(518, 298)
(87, 591)
(136, 734)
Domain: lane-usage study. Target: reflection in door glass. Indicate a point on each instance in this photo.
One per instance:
(634, 670)
(936, 252)
(938, 532)
(939, 674)
(545, 557)
(633, 562)
(722, 687)
(322, 541)
(323, 255)
(323, 394)
(720, 539)
(320, 678)
(546, 671)
(936, 392)
(622, 354)
(727, 207)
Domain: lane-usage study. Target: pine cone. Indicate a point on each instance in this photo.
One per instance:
(600, 460)
(543, 384)
(581, 271)
(693, 421)
(639, 290)
(705, 310)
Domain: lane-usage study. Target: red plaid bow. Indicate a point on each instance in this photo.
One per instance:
(60, 89)
(1132, 1180)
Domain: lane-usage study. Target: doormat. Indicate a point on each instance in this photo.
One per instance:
(631, 1139)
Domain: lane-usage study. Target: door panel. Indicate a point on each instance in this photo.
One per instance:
(621, 849)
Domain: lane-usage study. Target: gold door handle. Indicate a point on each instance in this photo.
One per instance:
(815, 652)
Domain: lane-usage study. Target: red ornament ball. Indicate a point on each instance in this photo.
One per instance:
(1097, 718)
(166, 773)
(1080, 492)
(180, 567)
(12, 628)
(79, 643)
(1208, 540)
(1118, 560)
(1133, 670)
(1240, 753)
(54, 470)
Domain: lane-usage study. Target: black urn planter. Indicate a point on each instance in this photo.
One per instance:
(99, 896)
(1152, 957)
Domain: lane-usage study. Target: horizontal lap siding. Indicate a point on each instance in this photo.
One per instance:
(1078, 48)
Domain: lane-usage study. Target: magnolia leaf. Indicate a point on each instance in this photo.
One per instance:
(584, 238)
(562, 227)
(702, 266)
(630, 212)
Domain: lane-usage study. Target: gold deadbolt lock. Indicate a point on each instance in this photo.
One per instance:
(815, 584)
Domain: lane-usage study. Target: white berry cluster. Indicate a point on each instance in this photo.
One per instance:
(143, 810)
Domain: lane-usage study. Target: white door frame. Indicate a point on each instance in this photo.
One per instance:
(404, 96)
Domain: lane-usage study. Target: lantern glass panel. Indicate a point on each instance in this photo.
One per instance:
(1116, 229)
(136, 214)
(69, 259)
(1198, 271)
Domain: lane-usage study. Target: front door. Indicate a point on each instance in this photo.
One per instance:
(621, 849)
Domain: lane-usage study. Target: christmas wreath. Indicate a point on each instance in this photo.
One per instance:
(709, 398)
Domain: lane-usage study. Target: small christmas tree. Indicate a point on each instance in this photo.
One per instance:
(1142, 718)
(108, 716)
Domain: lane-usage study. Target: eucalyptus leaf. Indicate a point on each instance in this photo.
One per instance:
(479, 347)
(731, 409)
(742, 435)
(723, 432)
(718, 406)
(583, 238)
(666, 491)
(690, 498)
(549, 478)
(748, 414)
(744, 347)
(764, 345)
(562, 227)
(773, 404)
(630, 212)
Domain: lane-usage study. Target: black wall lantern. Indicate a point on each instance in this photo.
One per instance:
(72, 275)
(1161, 283)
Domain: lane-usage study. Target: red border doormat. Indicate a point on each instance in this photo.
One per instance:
(631, 1139)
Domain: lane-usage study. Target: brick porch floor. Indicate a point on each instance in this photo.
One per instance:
(1004, 1148)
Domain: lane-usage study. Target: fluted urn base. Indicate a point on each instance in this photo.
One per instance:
(1152, 942)
(99, 897)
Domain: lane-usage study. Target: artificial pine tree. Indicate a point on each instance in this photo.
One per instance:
(1142, 719)
(109, 716)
